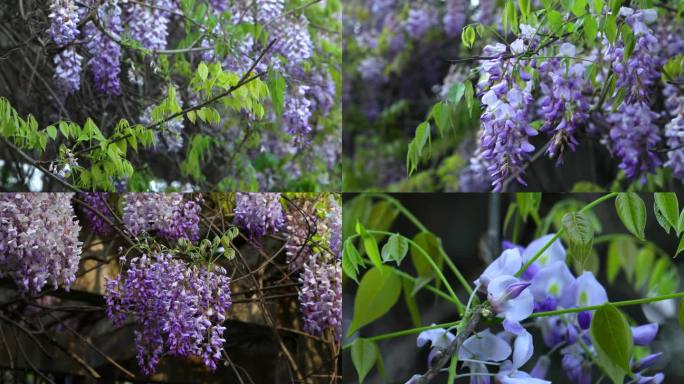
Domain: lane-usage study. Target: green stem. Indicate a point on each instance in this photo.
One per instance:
(617, 304)
(560, 231)
(405, 332)
(413, 219)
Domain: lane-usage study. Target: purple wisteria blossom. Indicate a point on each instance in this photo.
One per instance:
(168, 215)
(149, 24)
(565, 103)
(98, 201)
(64, 20)
(178, 308)
(39, 242)
(505, 126)
(259, 213)
(68, 71)
(296, 114)
(320, 296)
(106, 62)
(455, 17)
(420, 19)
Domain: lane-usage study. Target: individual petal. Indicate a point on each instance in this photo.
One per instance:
(508, 263)
(555, 252)
(646, 362)
(584, 291)
(439, 338)
(541, 367)
(551, 281)
(484, 346)
(523, 348)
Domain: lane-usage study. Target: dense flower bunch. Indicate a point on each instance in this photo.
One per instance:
(335, 226)
(259, 213)
(168, 215)
(106, 62)
(505, 123)
(39, 241)
(548, 284)
(64, 30)
(320, 296)
(302, 224)
(99, 201)
(674, 130)
(149, 25)
(564, 103)
(420, 19)
(178, 308)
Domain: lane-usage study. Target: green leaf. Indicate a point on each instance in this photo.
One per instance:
(395, 249)
(524, 8)
(469, 96)
(579, 8)
(410, 299)
(277, 89)
(632, 211)
(668, 206)
(52, 132)
(680, 247)
(432, 245)
(351, 260)
(364, 354)
(378, 291)
(468, 36)
(612, 339)
(680, 314)
(590, 28)
(456, 93)
(555, 21)
(203, 71)
(580, 235)
(628, 41)
(611, 28)
(528, 202)
(370, 245)
(643, 265)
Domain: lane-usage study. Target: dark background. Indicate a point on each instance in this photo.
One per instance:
(462, 222)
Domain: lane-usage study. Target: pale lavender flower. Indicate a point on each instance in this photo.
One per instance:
(259, 213)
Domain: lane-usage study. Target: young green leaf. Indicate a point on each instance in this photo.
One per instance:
(410, 300)
(432, 245)
(395, 249)
(351, 260)
(378, 291)
(528, 202)
(580, 234)
(364, 354)
(612, 339)
(668, 206)
(632, 211)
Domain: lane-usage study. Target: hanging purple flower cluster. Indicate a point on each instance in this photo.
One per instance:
(335, 226)
(674, 130)
(301, 225)
(296, 114)
(99, 201)
(320, 296)
(149, 23)
(259, 213)
(39, 242)
(548, 284)
(64, 30)
(106, 62)
(564, 104)
(294, 40)
(455, 17)
(420, 19)
(268, 10)
(505, 126)
(474, 177)
(633, 138)
(167, 215)
(178, 308)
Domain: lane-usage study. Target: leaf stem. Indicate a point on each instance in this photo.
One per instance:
(406, 332)
(617, 304)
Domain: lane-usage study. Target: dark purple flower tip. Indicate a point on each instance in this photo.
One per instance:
(514, 290)
(646, 361)
(584, 319)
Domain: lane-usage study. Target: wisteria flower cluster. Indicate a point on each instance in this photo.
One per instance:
(99, 206)
(168, 215)
(179, 308)
(39, 243)
(259, 213)
(314, 251)
(546, 285)
(571, 78)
